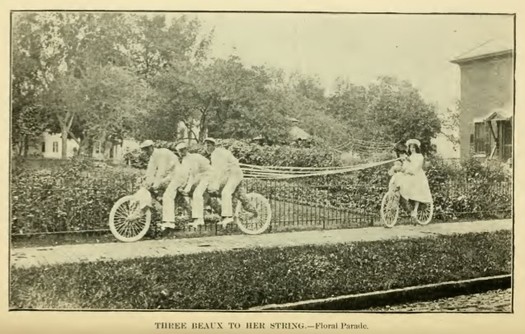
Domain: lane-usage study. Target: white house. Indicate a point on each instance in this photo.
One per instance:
(49, 145)
(117, 152)
(188, 131)
(445, 148)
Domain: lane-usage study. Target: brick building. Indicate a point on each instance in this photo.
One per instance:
(487, 93)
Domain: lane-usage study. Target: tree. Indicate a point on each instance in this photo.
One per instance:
(387, 111)
(228, 98)
(157, 45)
(450, 124)
(239, 102)
(28, 118)
(57, 50)
(114, 99)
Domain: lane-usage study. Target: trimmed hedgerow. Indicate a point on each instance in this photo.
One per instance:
(248, 153)
(78, 195)
(246, 278)
(70, 197)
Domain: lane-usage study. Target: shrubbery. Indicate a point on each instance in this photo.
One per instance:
(78, 195)
(69, 197)
(254, 277)
(471, 190)
(247, 153)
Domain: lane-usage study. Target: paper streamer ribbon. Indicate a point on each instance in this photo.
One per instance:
(280, 173)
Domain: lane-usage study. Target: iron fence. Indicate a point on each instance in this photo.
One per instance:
(295, 205)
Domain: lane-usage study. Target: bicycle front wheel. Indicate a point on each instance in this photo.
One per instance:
(261, 222)
(123, 225)
(390, 208)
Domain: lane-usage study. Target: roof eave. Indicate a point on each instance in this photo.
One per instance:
(460, 61)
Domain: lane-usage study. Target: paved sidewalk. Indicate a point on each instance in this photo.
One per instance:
(27, 257)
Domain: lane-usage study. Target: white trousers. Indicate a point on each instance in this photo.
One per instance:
(168, 201)
(230, 185)
(197, 200)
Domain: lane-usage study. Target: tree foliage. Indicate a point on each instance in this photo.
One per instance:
(101, 76)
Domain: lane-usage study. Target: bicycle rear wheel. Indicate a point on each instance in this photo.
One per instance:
(424, 213)
(256, 225)
(390, 208)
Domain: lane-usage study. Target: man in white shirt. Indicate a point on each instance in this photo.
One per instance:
(226, 175)
(162, 165)
(196, 169)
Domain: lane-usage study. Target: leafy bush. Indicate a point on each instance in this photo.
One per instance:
(246, 278)
(473, 190)
(248, 153)
(78, 194)
(71, 197)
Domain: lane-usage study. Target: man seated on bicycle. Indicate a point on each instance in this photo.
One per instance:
(161, 165)
(226, 175)
(196, 169)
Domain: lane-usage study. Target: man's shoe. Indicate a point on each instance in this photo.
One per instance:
(196, 223)
(166, 225)
(226, 221)
(137, 214)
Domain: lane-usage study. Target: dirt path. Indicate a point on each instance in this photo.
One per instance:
(39, 256)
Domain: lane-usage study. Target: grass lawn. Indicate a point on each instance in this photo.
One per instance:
(241, 279)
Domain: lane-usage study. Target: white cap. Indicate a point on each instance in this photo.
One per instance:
(181, 146)
(413, 141)
(210, 140)
(146, 143)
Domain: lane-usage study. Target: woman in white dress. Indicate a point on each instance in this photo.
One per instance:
(414, 185)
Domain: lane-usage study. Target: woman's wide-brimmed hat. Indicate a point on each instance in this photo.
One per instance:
(413, 141)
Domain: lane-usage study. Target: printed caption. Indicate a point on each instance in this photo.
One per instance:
(260, 325)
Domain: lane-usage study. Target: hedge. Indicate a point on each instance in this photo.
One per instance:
(252, 277)
(70, 197)
(248, 153)
(78, 195)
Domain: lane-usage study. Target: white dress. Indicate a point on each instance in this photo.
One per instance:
(414, 183)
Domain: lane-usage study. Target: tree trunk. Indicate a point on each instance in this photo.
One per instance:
(203, 131)
(203, 126)
(64, 143)
(65, 125)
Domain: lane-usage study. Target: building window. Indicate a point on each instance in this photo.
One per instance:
(55, 147)
(480, 138)
(507, 140)
(97, 147)
(44, 147)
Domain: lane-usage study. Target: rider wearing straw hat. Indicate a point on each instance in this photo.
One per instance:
(162, 163)
(197, 169)
(226, 175)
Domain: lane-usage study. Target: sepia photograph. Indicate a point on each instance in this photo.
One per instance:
(261, 162)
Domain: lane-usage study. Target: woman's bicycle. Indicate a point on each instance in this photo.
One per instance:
(391, 202)
(126, 226)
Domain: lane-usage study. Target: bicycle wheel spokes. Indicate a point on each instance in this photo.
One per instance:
(124, 228)
(390, 208)
(254, 225)
(424, 213)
